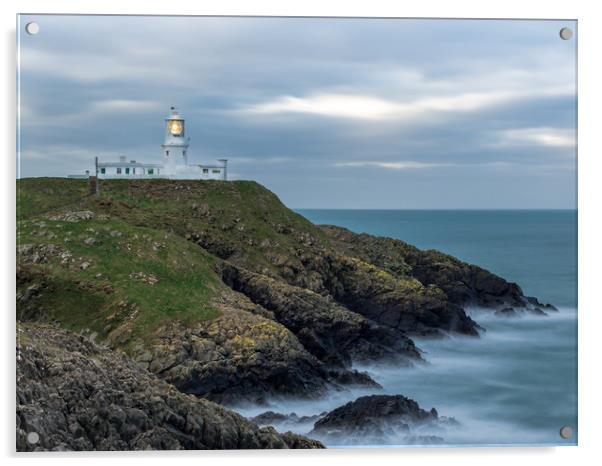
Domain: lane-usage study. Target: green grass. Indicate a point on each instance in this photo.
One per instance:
(72, 306)
(132, 308)
(240, 215)
(39, 195)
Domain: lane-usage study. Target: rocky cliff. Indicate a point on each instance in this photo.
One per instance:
(463, 284)
(75, 395)
(219, 289)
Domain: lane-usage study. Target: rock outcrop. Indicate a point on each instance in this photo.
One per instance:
(270, 418)
(75, 395)
(378, 420)
(403, 303)
(238, 357)
(331, 332)
(463, 284)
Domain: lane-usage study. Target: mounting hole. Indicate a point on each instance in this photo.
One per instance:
(33, 438)
(566, 33)
(566, 432)
(32, 28)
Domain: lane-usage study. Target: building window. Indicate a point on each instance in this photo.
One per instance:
(184, 153)
(127, 171)
(205, 170)
(103, 170)
(217, 172)
(119, 171)
(134, 170)
(151, 171)
(167, 152)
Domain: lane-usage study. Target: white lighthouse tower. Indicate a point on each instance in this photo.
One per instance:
(175, 144)
(175, 160)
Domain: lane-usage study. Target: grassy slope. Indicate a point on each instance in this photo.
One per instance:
(39, 195)
(140, 227)
(243, 214)
(116, 294)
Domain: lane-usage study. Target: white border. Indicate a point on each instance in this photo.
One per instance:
(590, 198)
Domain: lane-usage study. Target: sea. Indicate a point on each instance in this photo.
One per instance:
(517, 383)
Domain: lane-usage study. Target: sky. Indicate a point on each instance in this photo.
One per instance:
(325, 112)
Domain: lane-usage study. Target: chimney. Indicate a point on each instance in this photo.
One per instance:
(122, 158)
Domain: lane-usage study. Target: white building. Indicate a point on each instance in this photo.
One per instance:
(174, 164)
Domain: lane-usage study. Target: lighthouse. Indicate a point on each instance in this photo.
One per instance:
(175, 143)
(175, 164)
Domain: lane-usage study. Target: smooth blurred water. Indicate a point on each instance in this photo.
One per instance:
(517, 384)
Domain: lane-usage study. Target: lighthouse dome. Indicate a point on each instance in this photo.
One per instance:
(174, 115)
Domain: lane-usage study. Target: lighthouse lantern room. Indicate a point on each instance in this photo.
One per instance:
(175, 144)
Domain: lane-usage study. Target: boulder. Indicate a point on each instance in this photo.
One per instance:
(377, 420)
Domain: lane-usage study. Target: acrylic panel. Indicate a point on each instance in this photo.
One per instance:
(274, 232)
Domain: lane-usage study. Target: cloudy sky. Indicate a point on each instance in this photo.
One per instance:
(342, 113)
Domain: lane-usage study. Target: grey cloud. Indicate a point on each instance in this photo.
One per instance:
(101, 86)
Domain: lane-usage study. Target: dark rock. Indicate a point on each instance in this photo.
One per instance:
(297, 441)
(332, 333)
(506, 312)
(462, 283)
(537, 311)
(375, 419)
(401, 303)
(355, 415)
(535, 302)
(238, 357)
(282, 421)
(271, 417)
(352, 378)
(77, 395)
(512, 312)
(241, 356)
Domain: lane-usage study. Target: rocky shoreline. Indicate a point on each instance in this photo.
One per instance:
(76, 395)
(79, 396)
(222, 293)
(369, 420)
(464, 284)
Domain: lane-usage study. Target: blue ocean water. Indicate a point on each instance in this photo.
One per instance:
(517, 384)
